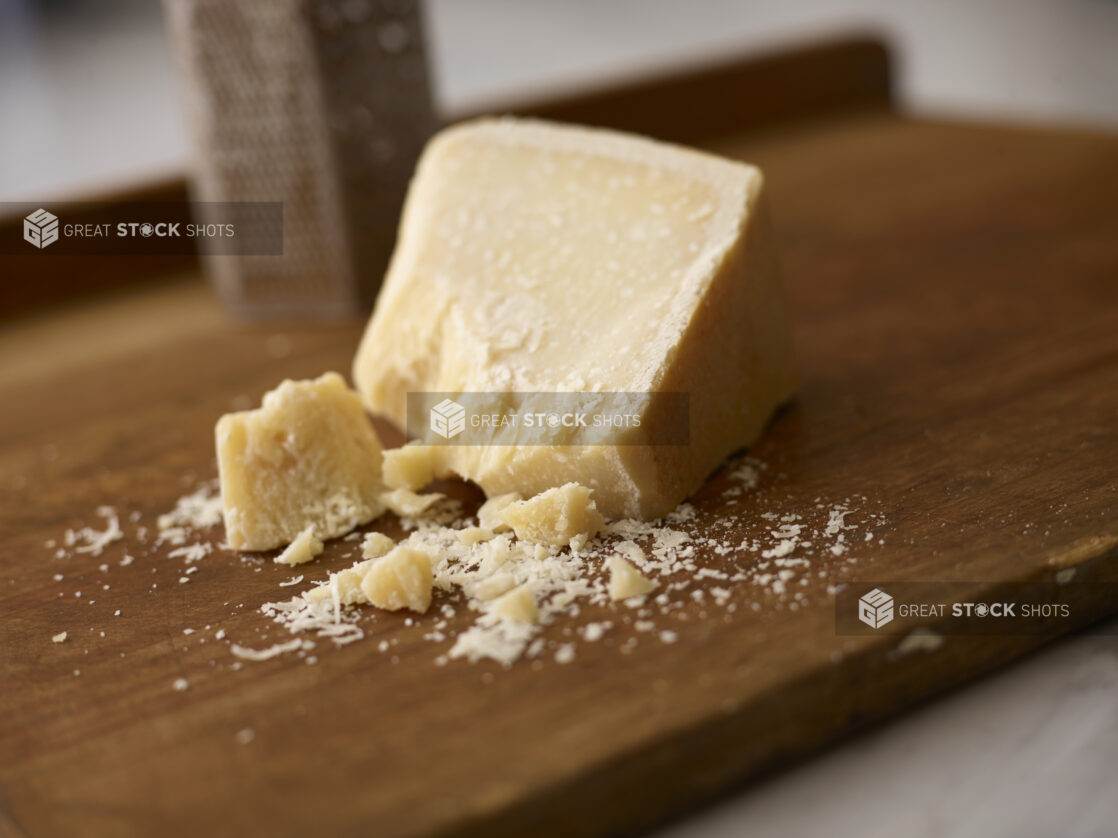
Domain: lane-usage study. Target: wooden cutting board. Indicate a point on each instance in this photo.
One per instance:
(954, 293)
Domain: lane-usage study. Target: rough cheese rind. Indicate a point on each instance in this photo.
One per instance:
(401, 579)
(307, 457)
(535, 257)
(560, 517)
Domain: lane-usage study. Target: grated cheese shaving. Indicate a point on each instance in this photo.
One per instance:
(89, 540)
(270, 652)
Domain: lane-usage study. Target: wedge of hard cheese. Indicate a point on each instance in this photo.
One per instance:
(307, 462)
(542, 258)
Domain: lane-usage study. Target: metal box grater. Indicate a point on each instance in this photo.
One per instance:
(323, 105)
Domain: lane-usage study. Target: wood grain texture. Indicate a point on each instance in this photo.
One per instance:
(954, 293)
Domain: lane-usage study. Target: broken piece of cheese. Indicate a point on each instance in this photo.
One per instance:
(560, 517)
(400, 579)
(489, 514)
(536, 257)
(408, 467)
(307, 457)
(626, 581)
(518, 605)
(407, 504)
(305, 547)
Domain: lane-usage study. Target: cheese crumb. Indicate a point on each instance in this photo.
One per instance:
(917, 640)
(180, 684)
(59, 638)
(626, 581)
(304, 548)
(401, 579)
(408, 467)
(518, 604)
(344, 587)
(199, 510)
(267, 654)
(475, 535)
(375, 545)
(193, 552)
(489, 515)
(560, 517)
(95, 541)
(594, 631)
(407, 504)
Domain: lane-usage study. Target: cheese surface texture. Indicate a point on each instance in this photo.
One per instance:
(626, 581)
(489, 514)
(539, 258)
(407, 504)
(400, 579)
(560, 517)
(376, 544)
(408, 467)
(308, 457)
(304, 548)
(518, 605)
(347, 584)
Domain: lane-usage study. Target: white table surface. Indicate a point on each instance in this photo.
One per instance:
(1028, 752)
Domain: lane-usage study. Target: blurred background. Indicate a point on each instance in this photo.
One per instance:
(89, 99)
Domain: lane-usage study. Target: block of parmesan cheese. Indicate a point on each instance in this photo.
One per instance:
(542, 258)
(308, 457)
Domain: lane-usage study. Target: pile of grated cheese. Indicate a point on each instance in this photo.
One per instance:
(483, 581)
(476, 575)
